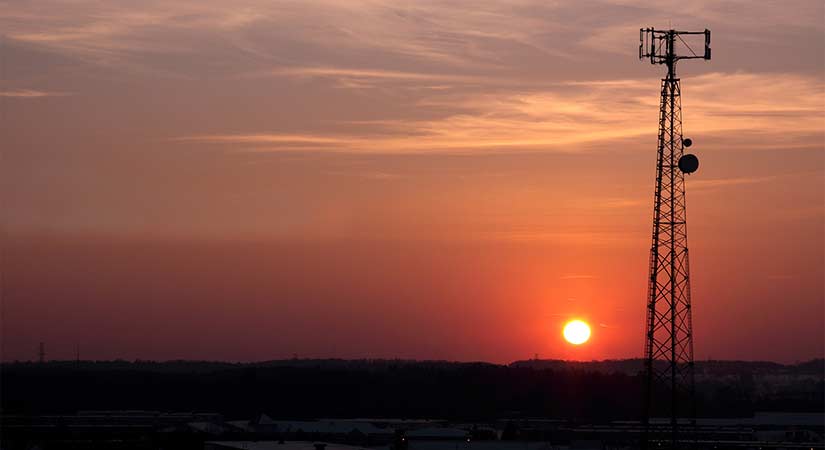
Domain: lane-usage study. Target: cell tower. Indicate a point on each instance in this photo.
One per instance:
(669, 384)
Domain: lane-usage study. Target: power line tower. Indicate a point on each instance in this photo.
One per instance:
(669, 384)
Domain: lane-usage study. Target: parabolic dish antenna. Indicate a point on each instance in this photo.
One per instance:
(688, 163)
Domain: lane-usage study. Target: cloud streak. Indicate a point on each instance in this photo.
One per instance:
(31, 93)
(701, 185)
(390, 35)
(568, 118)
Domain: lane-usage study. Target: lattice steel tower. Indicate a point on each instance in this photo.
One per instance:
(669, 386)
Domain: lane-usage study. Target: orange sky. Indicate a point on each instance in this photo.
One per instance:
(384, 179)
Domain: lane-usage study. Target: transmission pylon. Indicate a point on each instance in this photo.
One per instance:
(669, 383)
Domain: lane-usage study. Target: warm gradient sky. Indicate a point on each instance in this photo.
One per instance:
(250, 180)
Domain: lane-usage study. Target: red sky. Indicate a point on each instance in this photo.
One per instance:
(436, 180)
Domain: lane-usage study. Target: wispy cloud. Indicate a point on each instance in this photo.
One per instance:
(726, 182)
(371, 78)
(548, 234)
(440, 33)
(525, 37)
(31, 93)
(374, 175)
(577, 277)
(264, 139)
(620, 203)
(565, 118)
(782, 276)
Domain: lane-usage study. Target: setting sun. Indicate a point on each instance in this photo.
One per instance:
(576, 332)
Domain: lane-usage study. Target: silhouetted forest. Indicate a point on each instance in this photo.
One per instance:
(403, 389)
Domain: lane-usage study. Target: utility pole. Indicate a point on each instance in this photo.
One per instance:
(669, 382)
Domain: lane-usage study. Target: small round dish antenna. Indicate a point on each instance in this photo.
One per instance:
(687, 142)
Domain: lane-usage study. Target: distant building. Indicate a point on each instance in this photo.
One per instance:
(275, 445)
(437, 433)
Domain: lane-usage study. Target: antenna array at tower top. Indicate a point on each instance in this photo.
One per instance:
(669, 46)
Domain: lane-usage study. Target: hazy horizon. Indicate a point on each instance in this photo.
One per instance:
(34, 360)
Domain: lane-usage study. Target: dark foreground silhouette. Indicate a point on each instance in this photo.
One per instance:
(597, 391)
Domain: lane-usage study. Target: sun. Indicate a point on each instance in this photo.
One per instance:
(576, 332)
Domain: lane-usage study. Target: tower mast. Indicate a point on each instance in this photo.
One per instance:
(669, 383)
